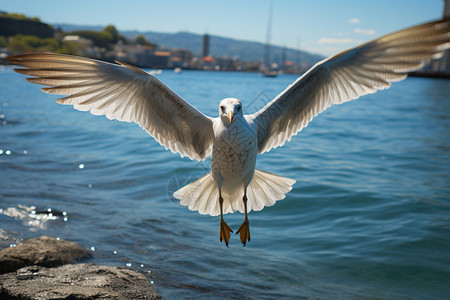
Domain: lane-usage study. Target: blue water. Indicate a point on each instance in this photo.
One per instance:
(369, 216)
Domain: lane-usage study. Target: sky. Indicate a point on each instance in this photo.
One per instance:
(318, 26)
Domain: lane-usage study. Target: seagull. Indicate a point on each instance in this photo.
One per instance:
(233, 140)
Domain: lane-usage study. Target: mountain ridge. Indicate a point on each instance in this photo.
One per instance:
(219, 46)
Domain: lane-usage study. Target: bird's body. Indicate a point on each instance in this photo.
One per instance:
(233, 158)
(127, 93)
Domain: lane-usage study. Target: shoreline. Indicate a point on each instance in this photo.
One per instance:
(420, 73)
(49, 268)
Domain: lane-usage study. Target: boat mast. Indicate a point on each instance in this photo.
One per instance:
(267, 47)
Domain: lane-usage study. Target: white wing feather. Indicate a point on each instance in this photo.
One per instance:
(122, 92)
(346, 76)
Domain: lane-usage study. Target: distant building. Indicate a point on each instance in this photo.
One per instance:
(440, 67)
(86, 46)
(78, 39)
(180, 58)
(224, 63)
(143, 56)
(153, 59)
(446, 58)
(205, 49)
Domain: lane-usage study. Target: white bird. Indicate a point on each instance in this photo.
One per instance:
(127, 93)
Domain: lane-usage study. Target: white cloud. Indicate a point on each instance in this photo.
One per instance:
(354, 21)
(326, 40)
(365, 31)
(341, 34)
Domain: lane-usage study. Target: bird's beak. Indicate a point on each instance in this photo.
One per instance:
(230, 116)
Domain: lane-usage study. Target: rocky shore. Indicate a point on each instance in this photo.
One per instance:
(44, 268)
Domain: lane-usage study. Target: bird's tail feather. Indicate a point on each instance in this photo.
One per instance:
(201, 195)
(264, 190)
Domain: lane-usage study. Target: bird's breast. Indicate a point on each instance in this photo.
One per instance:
(234, 154)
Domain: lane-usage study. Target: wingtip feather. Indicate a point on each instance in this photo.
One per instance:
(131, 67)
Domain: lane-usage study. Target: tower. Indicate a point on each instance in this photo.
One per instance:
(205, 49)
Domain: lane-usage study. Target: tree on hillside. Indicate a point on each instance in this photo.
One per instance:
(103, 39)
(112, 33)
(23, 43)
(19, 17)
(115, 36)
(142, 40)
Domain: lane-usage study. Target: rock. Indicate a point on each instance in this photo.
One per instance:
(49, 274)
(42, 251)
(79, 281)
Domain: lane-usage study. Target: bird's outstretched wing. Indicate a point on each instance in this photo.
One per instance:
(347, 76)
(122, 92)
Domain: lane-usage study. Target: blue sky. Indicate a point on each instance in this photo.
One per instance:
(318, 26)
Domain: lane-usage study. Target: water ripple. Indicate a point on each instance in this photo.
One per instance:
(368, 217)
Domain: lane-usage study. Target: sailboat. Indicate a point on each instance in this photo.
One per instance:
(270, 73)
(266, 68)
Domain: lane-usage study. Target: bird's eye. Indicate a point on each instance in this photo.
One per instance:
(222, 108)
(238, 108)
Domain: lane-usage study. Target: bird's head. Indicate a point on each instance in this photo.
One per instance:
(230, 109)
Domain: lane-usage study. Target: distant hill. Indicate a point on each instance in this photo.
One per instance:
(12, 24)
(219, 46)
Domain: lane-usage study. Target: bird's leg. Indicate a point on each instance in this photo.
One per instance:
(244, 230)
(224, 228)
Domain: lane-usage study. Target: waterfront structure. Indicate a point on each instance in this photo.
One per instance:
(205, 49)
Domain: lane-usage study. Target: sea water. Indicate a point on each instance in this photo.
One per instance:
(369, 216)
